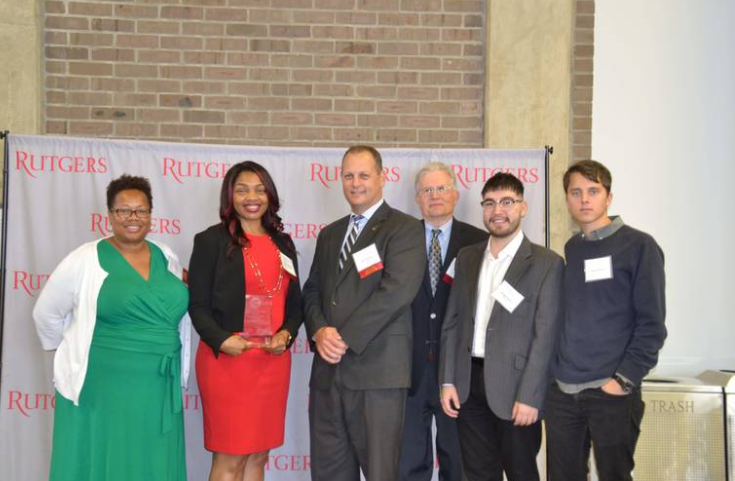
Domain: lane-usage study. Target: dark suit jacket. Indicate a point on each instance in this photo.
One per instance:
(217, 288)
(518, 346)
(428, 310)
(373, 315)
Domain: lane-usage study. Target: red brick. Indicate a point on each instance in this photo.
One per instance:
(136, 11)
(158, 86)
(181, 131)
(184, 13)
(91, 39)
(377, 63)
(376, 33)
(113, 84)
(248, 118)
(397, 107)
(269, 45)
(246, 30)
(204, 116)
(334, 90)
(113, 113)
(113, 55)
(126, 70)
(321, 105)
(438, 135)
(376, 91)
(399, 19)
(398, 48)
(396, 135)
(354, 135)
(226, 14)
(268, 132)
(356, 18)
(159, 115)
(73, 53)
(206, 29)
(182, 43)
(420, 63)
(358, 48)
(159, 56)
(225, 73)
(473, 122)
(95, 128)
(268, 103)
(90, 9)
(440, 78)
(55, 97)
(377, 120)
(180, 72)
(53, 7)
(332, 32)
(112, 25)
(228, 102)
(460, 93)
(312, 133)
(136, 130)
(158, 27)
(290, 31)
(356, 76)
(292, 61)
(212, 3)
(76, 113)
(180, 101)
(337, 120)
(55, 127)
(464, 6)
(421, 5)
(55, 38)
(440, 108)
(134, 99)
(292, 118)
(462, 35)
(313, 46)
(312, 16)
(225, 131)
(52, 67)
(203, 87)
(137, 41)
(205, 58)
(67, 83)
(66, 23)
(441, 20)
(585, 7)
(248, 88)
(584, 51)
(332, 61)
(90, 68)
(89, 98)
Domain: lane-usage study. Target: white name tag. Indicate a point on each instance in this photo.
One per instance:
(287, 264)
(367, 261)
(508, 297)
(598, 269)
(449, 275)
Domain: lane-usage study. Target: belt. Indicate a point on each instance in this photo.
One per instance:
(172, 399)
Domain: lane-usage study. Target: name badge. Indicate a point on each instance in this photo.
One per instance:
(449, 275)
(598, 269)
(367, 261)
(507, 296)
(287, 264)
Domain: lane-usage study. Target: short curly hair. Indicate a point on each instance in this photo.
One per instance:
(128, 182)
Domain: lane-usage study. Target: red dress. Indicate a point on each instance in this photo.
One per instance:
(244, 397)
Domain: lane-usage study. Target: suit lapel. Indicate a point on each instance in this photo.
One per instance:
(364, 239)
(519, 265)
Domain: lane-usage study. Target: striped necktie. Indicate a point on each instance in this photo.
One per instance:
(349, 241)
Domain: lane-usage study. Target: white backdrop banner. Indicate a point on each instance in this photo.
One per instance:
(57, 201)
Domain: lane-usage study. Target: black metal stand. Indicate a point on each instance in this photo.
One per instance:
(547, 200)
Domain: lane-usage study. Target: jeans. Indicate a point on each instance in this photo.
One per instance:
(611, 424)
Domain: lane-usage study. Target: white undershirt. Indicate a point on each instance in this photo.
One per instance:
(491, 276)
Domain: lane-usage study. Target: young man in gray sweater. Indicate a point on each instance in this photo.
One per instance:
(613, 330)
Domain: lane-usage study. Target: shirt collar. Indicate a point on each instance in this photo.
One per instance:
(445, 228)
(509, 250)
(369, 213)
(607, 231)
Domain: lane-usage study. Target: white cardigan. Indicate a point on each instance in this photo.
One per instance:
(66, 312)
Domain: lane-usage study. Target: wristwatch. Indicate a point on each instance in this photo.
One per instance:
(625, 385)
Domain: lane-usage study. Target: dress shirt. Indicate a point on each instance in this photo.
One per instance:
(446, 229)
(362, 222)
(491, 276)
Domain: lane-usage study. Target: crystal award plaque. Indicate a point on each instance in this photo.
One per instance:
(257, 320)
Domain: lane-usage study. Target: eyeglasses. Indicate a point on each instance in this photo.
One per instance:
(440, 189)
(505, 203)
(128, 213)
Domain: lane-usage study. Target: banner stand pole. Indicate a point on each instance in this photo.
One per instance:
(3, 247)
(547, 198)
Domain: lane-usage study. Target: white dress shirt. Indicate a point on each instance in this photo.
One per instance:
(491, 276)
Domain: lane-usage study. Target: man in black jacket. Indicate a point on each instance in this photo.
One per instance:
(436, 196)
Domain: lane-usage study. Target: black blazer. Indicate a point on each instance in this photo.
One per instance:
(217, 288)
(428, 310)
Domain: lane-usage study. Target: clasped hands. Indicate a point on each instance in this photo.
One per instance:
(521, 414)
(329, 344)
(236, 345)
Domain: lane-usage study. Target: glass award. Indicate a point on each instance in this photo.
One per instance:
(256, 326)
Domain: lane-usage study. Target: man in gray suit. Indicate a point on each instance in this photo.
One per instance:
(367, 269)
(498, 339)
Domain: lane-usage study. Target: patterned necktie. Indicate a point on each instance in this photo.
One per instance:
(349, 241)
(435, 259)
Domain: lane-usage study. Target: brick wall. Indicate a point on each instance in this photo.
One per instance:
(267, 72)
(583, 62)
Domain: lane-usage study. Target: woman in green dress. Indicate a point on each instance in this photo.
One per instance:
(115, 311)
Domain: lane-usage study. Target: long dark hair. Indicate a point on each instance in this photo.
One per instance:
(272, 222)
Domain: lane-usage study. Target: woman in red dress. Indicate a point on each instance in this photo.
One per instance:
(244, 270)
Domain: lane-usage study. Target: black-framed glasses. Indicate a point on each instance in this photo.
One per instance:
(505, 203)
(126, 213)
(439, 189)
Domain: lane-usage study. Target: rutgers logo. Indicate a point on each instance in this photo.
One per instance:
(303, 231)
(31, 163)
(159, 225)
(30, 283)
(288, 462)
(26, 403)
(328, 174)
(471, 175)
(180, 170)
(192, 402)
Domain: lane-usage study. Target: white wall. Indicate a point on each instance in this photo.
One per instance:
(664, 123)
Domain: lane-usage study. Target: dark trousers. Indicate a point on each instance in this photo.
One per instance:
(351, 430)
(610, 423)
(417, 456)
(491, 445)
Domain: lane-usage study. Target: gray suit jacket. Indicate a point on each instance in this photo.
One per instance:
(518, 346)
(373, 315)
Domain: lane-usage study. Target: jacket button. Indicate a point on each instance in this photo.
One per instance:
(432, 315)
(334, 303)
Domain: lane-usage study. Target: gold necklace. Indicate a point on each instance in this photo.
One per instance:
(258, 275)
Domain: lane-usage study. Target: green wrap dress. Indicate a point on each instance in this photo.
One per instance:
(129, 424)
